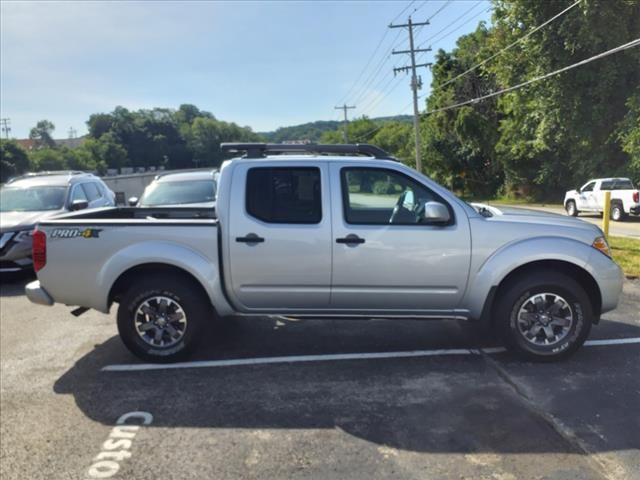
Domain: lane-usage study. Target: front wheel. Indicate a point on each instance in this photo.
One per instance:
(161, 318)
(571, 208)
(544, 316)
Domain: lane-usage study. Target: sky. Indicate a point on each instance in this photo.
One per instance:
(261, 64)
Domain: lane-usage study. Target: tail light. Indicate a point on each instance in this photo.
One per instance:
(39, 250)
(636, 197)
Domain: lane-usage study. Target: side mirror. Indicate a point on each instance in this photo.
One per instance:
(435, 212)
(79, 205)
(133, 201)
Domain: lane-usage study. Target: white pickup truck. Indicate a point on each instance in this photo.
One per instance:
(625, 199)
(328, 231)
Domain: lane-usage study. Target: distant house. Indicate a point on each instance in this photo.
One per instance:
(27, 144)
(70, 142)
(30, 145)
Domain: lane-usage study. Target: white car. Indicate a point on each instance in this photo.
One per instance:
(625, 199)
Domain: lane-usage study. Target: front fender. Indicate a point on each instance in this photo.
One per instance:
(204, 269)
(516, 254)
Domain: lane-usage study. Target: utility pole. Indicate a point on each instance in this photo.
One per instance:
(345, 107)
(6, 126)
(416, 82)
(72, 133)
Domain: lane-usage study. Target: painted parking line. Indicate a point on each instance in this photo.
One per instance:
(334, 357)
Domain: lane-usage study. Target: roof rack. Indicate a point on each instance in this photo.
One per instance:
(259, 150)
(47, 173)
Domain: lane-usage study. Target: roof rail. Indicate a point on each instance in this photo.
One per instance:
(49, 172)
(259, 150)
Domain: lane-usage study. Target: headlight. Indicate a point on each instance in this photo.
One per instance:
(601, 244)
(23, 235)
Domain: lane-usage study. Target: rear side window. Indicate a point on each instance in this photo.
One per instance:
(92, 191)
(284, 195)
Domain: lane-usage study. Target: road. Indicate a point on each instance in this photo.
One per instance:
(468, 415)
(630, 227)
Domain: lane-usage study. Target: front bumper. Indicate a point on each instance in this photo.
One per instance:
(15, 253)
(37, 294)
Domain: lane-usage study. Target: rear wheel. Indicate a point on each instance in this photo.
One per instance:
(571, 208)
(617, 212)
(544, 316)
(161, 318)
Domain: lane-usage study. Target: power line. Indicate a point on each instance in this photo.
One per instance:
(511, 45)
(452, 23)
(442, 37)
(631, 44)
(374, 102)
(375, 51)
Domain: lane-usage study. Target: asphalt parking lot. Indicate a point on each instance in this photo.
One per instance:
(453, 411)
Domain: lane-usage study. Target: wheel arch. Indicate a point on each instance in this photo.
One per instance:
(119, 287)
(583, 277)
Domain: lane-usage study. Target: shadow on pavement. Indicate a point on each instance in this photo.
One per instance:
(12, 284)
(432, 404)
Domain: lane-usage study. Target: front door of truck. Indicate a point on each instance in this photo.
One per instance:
(384, 256)
(279, 238)
(586, 199)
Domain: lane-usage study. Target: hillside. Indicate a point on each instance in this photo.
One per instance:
(312, 131)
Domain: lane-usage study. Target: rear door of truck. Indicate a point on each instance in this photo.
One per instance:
(279, 235)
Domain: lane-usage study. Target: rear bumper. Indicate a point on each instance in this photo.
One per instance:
(635, 210)
(37, 294)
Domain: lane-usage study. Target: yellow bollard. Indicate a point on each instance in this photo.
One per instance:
(606, 213)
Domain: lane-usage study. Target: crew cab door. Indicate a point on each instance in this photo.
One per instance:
(279, 238)
(390, 261)
(586, 199)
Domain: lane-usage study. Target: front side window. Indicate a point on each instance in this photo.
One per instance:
(79, 194)
(589, 187)
(375, 196)
(284, 194)
(91, 190)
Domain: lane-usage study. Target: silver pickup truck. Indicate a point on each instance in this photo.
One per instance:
(328, 231)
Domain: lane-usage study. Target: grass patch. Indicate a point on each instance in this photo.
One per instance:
(626, 252)
(525, 202)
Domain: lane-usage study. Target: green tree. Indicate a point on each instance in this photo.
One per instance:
(48, 159)
(14, 160)
(42, 133)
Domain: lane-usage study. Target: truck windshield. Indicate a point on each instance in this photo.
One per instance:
(179, 193)
(31, 199)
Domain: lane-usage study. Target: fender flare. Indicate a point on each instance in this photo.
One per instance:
(515, 255)
(163, 252)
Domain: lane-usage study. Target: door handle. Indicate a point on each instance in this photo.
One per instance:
(250, 238)
(350, 239)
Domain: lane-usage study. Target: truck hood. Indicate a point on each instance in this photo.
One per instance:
(525, 215)
(12, 221)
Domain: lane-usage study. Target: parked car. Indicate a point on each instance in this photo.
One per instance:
(625, 198)
(193, 188)
(329, 231)
(26, 200)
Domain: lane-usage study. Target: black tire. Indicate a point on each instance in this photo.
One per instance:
(178, 290)
(515, 297)
(571, 208)
(616, 213)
